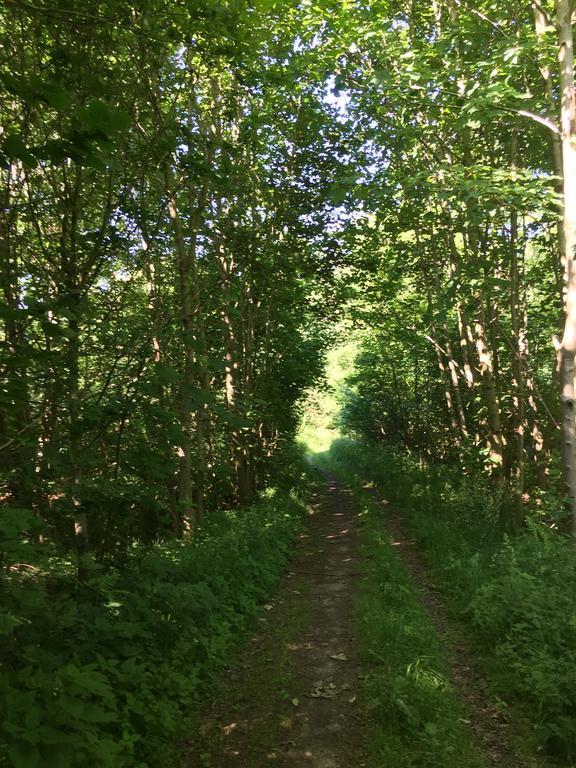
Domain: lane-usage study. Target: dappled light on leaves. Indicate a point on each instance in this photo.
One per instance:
(233, 232)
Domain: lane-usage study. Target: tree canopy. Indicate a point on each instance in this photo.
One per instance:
(196, 197)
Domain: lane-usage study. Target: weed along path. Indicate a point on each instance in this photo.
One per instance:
(294, 698)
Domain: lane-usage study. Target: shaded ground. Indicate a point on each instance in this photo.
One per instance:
(294, 698)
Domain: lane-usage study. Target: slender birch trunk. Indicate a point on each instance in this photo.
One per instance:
(486, 362)
(186, 511)
(567, 347)
(517, 316)
(72, 289)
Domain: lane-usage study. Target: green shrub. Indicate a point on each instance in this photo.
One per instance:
(526, 609)
(101, 674)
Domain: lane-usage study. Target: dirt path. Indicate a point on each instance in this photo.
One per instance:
(294, 699)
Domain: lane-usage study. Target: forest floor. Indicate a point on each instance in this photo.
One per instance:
(296, 696)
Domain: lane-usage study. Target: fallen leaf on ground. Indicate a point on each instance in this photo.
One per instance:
(323, 690)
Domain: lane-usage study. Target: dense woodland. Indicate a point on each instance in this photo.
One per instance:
(199, 199)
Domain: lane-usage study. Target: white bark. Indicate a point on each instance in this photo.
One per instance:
(567, 348)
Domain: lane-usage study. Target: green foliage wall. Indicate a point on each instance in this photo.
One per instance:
(102, 674)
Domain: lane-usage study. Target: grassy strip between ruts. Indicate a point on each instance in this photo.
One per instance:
(416, 718)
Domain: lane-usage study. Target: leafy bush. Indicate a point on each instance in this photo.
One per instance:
(526, 609)
(100, 674)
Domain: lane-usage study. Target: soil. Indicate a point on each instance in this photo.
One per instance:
(294, 699)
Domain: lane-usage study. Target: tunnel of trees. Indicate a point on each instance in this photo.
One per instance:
(199, 199)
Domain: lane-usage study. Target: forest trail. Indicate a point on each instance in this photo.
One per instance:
(294, 700)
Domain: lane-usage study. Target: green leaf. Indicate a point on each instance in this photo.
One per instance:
(52, 330)
(14, 146)
(99, 117)
(25, 756)
(9, 313)
(166, 374)
(8, 623)
(52, 93)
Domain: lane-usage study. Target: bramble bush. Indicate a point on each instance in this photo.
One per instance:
(101, 673)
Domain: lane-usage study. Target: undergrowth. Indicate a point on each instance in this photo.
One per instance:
(417, 720)
(518, 594)
(100, 674)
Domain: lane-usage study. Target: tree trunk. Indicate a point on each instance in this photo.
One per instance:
(72, 290)
(186, 511)
(452, 369)
(518, 361)
(567, 347)
(541, 28)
